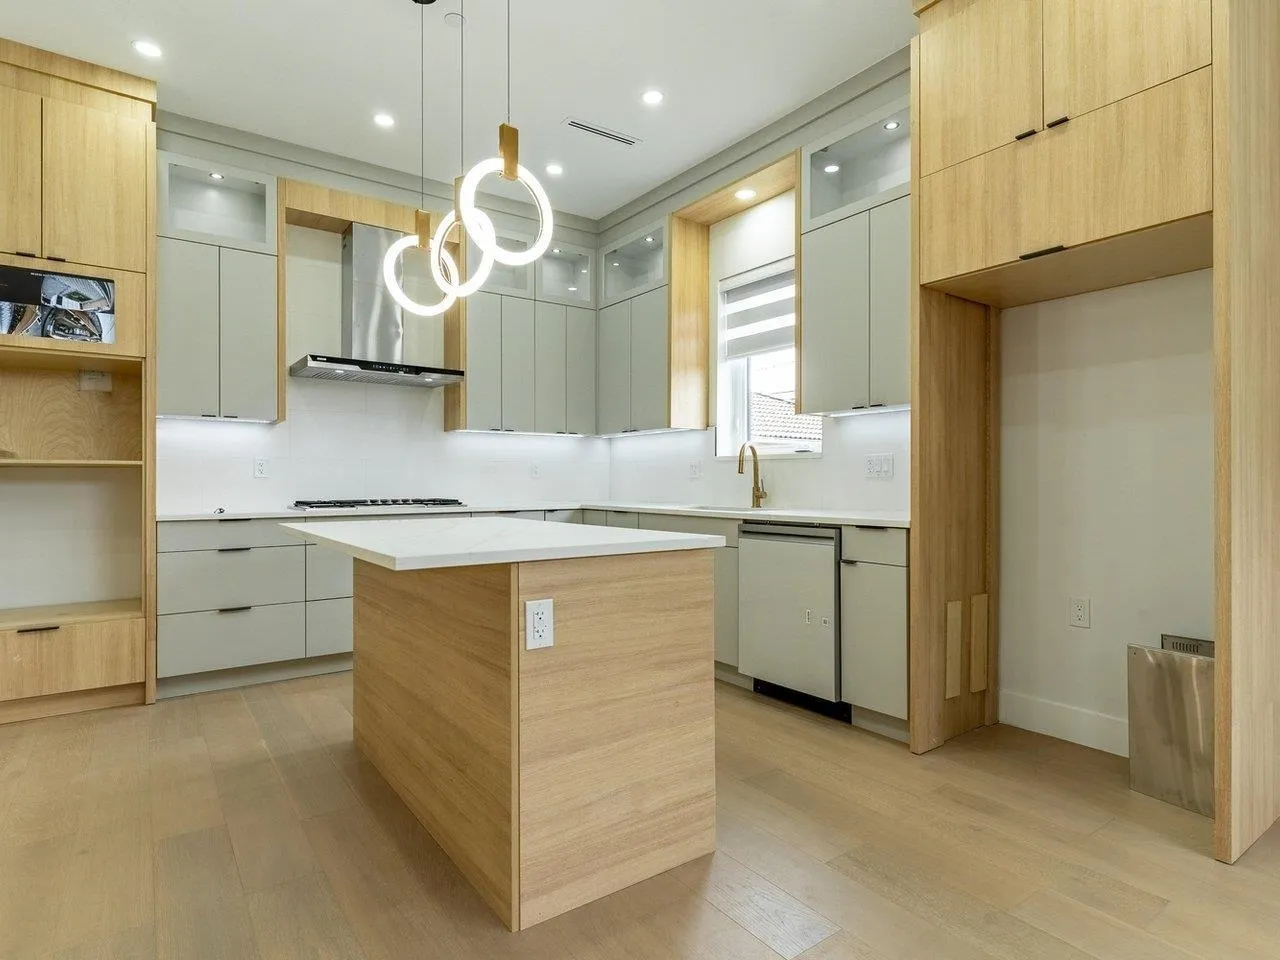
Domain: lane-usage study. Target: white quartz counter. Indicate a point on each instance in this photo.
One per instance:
(420, 544)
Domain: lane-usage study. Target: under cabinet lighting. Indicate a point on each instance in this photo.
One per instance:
(573, 289)
(653, 97)
(584, 269)
(616, 264)
(746, 193)
(892, 125)
(384, 119)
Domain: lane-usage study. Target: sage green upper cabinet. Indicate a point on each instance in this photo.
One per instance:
(565, 274)
(187, 290)
(890, 280)
(550, 356)
(862, 165)
(614, 369)
(836, 322)
(635, 265)
(650, 361)
(580, 370)
(484, 362)
(214, 203)
(248, 361)
(518, 365)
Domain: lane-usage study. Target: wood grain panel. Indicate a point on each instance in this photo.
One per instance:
(455, 348)
(980, 78)
(80, 656)
(434, 681)
(1098, 51)
(617, 726)
(149, 382)
(978, 643)
(15, 618)
(60, 704)
(955, 647)
(324, 208)
(19, 171)
(44, 415)
(950, 523)
(689, 249)
(1164, 251)
(1247, 434)
(77, 71)
(767, 182)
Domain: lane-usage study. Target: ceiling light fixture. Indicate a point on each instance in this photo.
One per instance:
(653, 97)
(215, 176)
(554, 169)
(384, 119)
(148, 49)
(616, 264)
(556, 250)
(648, 239)
(573, 289)
(831, 168)
(745, 194)
(892, 125)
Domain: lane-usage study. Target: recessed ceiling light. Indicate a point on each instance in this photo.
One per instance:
(148, 49)
(554, 169)
(652, 97)
(555, 250)
(573, 289)
(584, 270)
(384, 119)
(648, 239)
(616, 264)
(892, 125)
(746, 193)
(831, 168)
(215, 176)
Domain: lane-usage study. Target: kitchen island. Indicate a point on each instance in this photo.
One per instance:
(551, 776)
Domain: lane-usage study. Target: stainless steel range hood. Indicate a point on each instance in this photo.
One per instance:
(372, 323)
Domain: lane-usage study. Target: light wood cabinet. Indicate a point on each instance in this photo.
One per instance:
(614, 379)
(19, 172)
(550, 408)
(1097, 52)
(873, 637)
(187, 329)
(484, 362)
(518, 365)
(247, 358)
(54, 658)
(981, 82)
(580, 371)
(95, 186)
(650, 361)
(890, 280)
(835, 326)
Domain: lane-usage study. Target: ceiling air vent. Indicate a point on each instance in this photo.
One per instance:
(604, 132)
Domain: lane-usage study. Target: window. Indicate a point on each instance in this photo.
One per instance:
(756, 385)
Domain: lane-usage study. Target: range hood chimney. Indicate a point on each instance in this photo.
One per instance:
(372, 322)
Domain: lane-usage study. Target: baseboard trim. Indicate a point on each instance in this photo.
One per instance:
(1066, 722)
(78, 701)
(168, 687)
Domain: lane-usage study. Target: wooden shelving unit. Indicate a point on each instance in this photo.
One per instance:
(65, 614)
(70, 463)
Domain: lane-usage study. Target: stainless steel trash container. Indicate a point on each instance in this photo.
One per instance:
(1171, 722)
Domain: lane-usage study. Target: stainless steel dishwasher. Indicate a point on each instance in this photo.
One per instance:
(789, 612)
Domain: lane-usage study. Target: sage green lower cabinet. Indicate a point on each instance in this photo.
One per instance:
(330, 574)
(247, 363)
(580, 371)
(200, 642)
(873, 636)
(186, 328)
(595, 518)
(550, 408)
(650, 361)
(229, 578)
(484, 362)
(330, 626)
(621, 518)
(518, 365)
(614, 369)
(835, 329)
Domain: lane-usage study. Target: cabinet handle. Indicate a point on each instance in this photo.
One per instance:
(23, 253)
(234, 549)
(235, 520)
(231, 416)
(877, 405)
(234, 609)
(864, 526)
(849, 563)
(1042, 253)
(1025, 134)
(57, 259)
(44, 628)
(208, 414)
(1056, 123)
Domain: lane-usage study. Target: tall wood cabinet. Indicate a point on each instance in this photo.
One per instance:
(1158, 153)
(77, 411)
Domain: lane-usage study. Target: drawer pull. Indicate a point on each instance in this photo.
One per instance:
(57, 259)
(44, 628)
(234, 549)
(234, 609)
(1025, 134)
(874, 405)
(849, 563)
(864, 526)
(1056, 123)
(1042, 253)
(234, 520)
(23, 253)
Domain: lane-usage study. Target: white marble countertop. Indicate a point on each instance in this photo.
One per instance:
(421, 544)
(878, 518)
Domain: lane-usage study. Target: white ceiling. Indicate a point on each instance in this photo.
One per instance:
(314, 73)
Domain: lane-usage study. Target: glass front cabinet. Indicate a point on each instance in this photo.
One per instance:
(635, 265)
(860, 166)
(213, 203)
(566, 274)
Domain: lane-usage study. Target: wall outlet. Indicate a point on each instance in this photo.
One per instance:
(1080, 611)
(539, 625)
(695, 469)
(535, 471)
(260, 468)
(879, 466)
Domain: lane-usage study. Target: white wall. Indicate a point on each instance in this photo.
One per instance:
(1106, 493)
(357, 440)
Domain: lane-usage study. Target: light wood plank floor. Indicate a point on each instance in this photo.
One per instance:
(244, 825)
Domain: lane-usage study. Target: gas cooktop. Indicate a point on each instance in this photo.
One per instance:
(393, 502)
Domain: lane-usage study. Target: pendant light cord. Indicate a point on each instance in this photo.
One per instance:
(508, 62)
(462, 87)
(422, 105)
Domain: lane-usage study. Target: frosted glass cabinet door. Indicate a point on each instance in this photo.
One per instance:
(834, 331)
(518, 385)
(650, 364)
(484, 362)
(249, 370)
(549, 408)
(564, 275)
(636, 264)
(580, 372)
(614, 370)
(891, 303)
(186, 328)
